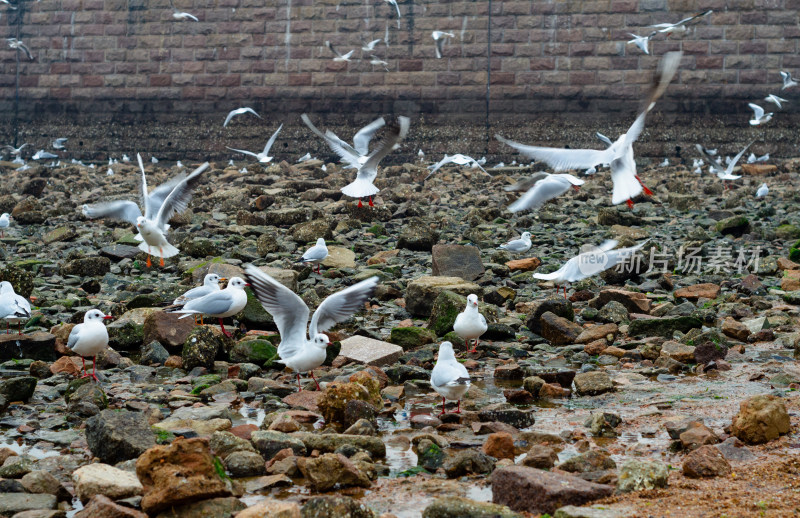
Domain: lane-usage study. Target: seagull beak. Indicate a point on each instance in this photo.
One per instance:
(222, 279)
(107, 317)
(247, 284)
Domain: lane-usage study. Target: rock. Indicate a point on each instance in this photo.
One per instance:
(335, 506)
(555, 305)
(328, 443)
(286, 216)
(528, 264)
(592, 460)
(153, 354)
(536, 491)
(119, 252)
(613, 312)
(468, 462)
(245, 464)
(269, 442)
(212, 508)
(558, 330)
(507, 414)
(665, 327)
(634, 301)
(126, 333)
(759, 169)
(410, 338)
(18, 389)
(223, 444)
(339, 257)
(510, 371)
(541, 457)
(179, 473)
(597, 332)
(457, 261)
(603, 424)
(706, 461)
(335, 399)
(595, 511)
(259, 352)
(638, 475)
(168, 329)
(499, 445)
(200, 348)
(696, 435)
(459, 507)
(331, 469)
(29, 211)
(417, 235)
(88, 399)
(709, 351)
(678, 351)
(39, 481)
(735, 226)
(115, 436)
(446, 308)
(95, 266)
(429, 455)
(310, 231)
(271, 508)
(614, 216)
(593, 383)
(734, 450)
(16, 467)
(422, 292)
(21, 280)
(367, 351)
(760, 419)
(383, 257)
(697, 291)
(533, 384)
(34, 346)
(13, 503)
(735, 329)
(100, 506)
(102, 479)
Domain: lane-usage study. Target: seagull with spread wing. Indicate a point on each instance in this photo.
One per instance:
(356, 155)
(619, 154)
(541, 188)
(159, 206)
(457, 159)
(300, 350)
(339, 55)
(669, 28)
(16, 44)
(262, 157)
(239, 111)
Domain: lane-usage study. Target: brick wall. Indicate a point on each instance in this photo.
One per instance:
(118, 62)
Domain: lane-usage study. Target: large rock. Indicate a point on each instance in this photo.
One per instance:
(336, 396)
(459, 507)
(168, 329)
(33, 346)
(95, 266)
(457, 261)
(638, 475)
(760, 419)
(508, 414)
(597, 332)
(593, 383)
(678, 351)
(13, 503)
(706, 461)
(256, 351)
(339, 257)
(38, 481)
(663, 326)
(411, 338)
(706, 290)
(336, 506)
(269, 442)
(555, 305)
(272, 508)
(468, 462)
(536, 491)
(368, 351)
(101, 506)
(588, 461)
(180, 473)
(18, 389)
(21, 280)
(422, 292)
(102, 479)
(446, 308)
(118, 435)
(330, 469)
(417, 235)
(200, 348)
(634, 301)
(126, 333)
(558, 330)
(331, 442)
(735, 226)
(223, 507)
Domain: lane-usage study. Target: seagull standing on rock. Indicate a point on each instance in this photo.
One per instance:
(5, 221)
(518, 246)
(220, 304)
(210, 285)
(13, 307)
(89, 338)
(316, 254)
(762, 191)
(470, 324)
(290, 313)
(449, 377)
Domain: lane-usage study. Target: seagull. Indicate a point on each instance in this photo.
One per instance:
(759, 117)
(457, 159)
(394, 3)
(593, 260)
(788, 80)
(15, 151)
(210, 285)
(728, 173)
(642, 41)
(470, 324)
(603, 138)
(714, 164)
(518, 246)
(316, 254)
(369, 47)
(420, 155)
(59, 143)
(619, 154)
(762, 191)
(219, 304)
(262, 157)
(339, 56)
(542, 187)
(89, 338)
(238, 111)
(665, 163)
(14, 43)
(439, 37)
(379, 62)
(43, 155)
(179, 15)
(9, 4)
(356, 155)
(362, 186)
(126, 158)
(763, 158)
(13, 306)
(449, 377)
(303, 158)
(290, 313)
(772, 98)
(160, 205)
(153, 160)
(5, 221)
(669, 28)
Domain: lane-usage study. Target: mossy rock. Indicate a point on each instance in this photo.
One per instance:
(199, 247)
(735, 226)
(446, 308)
(20, 279)
(662, 326)
(411, 337)
(333, 402)
(787, 232)
(254, 351)
(254, 316)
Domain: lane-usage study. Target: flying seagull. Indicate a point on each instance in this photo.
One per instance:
(339, 56)
(774, 99)
(759, 117)
(356, 155)
(541, 188)
(239, 111)
(642, 41)
(369, 47)
(439, 37)
(669, 28)
(788, 80)
(457, 159)
(59, 143)
(262, 157)
(14, 43)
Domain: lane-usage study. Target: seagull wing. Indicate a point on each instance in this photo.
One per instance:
(526, 183)
(757, 110)
(543, 191)
(148, 209)
(729, 169)
(449, 373)
(315, 253)
(362, 138)
(395, 136)
(74, 335)
(178, 200)
(341, 305)
(123, 210)
(287, 309)
(271, 140)
(243, 151)
(603, 138)
(337, 145)
(561, 159)
(215, 303)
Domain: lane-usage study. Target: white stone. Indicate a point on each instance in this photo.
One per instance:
(362, 349)
(102, 479)
(339, 257)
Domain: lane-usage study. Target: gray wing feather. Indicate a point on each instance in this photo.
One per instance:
(212, 304)
(271, 140)
(178, 200)
(341, 305)
(73, 336)
(123, 210)
(365, 134)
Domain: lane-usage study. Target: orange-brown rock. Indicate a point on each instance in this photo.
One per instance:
(499, 445)
(382, 256)
(705, 290)
(592, 333)
(528, 264)
(67, 364)
(790, 280)
(784, 263)
(759, 169)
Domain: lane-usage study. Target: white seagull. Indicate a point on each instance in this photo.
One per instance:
(762, 191)
(159, 206)
(210, 285)
(727, 174)
(16, 151)
(220, 304)
(316, 254)
(759, 117)
(369, 47)
(449, 377)
(439, 38)
(5, 221)
(591, 261)
(470, 324)
(13, 307)
(788, 80)
(394, 3)
(375, 60)
(59, 143)
(180, 15)
(339, 55)
(774, 99)
(14, 43)
(518, 246)
(642, 41)
(239, 111)
(542, 187)
(356, 155)
(262, 157)
(457, 159)
(43, 155)
(619, 154)
(669, 28)
(89, 338)
(290, 313)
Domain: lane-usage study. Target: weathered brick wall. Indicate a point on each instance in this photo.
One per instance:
(122, 61)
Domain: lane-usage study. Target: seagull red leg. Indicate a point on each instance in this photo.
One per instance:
(442, 412)
(370, 202)
(630, 203)
(458, 409)
(223, 329)
(315, 380)
(299, 388)
(85, 374)
(161, 262)
(359, 203)
(94, 374)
